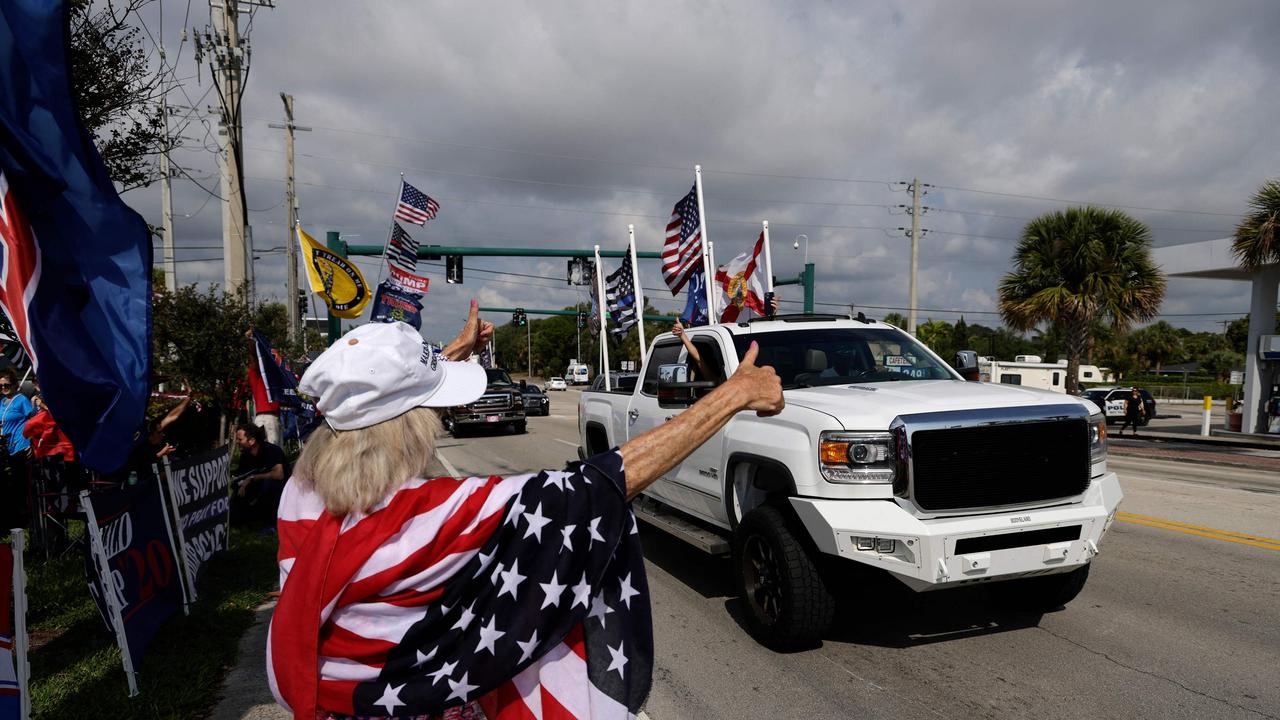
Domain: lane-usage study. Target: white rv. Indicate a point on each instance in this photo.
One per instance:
(1031, 371)
(577, 373)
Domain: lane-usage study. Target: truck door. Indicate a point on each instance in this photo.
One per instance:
(643, 413)
(699, 479)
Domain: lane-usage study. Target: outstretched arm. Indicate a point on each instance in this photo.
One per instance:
(704, 370)
(474, 336)
(648, 456)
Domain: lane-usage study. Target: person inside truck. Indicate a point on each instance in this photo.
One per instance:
(407, 596)
(841, 366)
(699, 369)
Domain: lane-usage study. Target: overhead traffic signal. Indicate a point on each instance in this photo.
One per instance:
(582, 319)
(518, 318)
(453, 269)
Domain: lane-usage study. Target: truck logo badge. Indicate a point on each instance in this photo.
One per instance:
(1020, 519)
(708, 473)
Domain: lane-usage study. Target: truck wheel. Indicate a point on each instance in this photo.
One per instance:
(1041, 594)
(519, 427)
(787, 603)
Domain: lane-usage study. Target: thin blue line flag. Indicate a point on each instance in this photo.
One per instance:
(75, 275)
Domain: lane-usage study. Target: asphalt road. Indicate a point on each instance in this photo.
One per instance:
(1180, 619)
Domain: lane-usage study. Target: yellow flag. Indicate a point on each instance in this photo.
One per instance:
(334, 278)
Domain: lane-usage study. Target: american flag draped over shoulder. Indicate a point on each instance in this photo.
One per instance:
(415, 206)
(524, 594)
(682, 251)
(620, 296)
(402, 250)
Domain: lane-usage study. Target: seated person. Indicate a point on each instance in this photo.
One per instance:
(841, 366)
(699, 369)
(262, 474)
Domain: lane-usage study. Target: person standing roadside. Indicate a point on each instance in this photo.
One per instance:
(498, 597)
(15, 410)
(1133, 412)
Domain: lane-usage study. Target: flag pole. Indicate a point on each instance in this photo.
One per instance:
(21, 642)
(711, 282)
(604, 328)
(768, 259)
(638, 288)
(390, 229)
(702, 232)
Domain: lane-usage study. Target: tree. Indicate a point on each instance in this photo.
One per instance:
(1221, 362)
(936, 334)
(1076, 266)
(897, 320)
(117, 89)
(1156, 344)
(1255, 241)
(960, 335)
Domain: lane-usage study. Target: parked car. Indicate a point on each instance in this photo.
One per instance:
(1111, 400)
(501, 404)
(536, 402)
(557, 383)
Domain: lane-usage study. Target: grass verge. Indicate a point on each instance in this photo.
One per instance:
(76, 670)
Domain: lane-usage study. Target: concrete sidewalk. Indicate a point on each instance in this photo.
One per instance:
(245, 694)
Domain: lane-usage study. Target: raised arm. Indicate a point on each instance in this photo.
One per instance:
(474, 336)
(648, 456)
(704, 370)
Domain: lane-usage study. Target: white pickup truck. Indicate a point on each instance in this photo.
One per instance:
(884, 455)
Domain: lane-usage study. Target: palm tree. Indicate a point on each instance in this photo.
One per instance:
(1255, 242)
(1076, 266)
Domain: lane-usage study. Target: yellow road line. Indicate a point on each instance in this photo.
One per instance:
(1199, 531)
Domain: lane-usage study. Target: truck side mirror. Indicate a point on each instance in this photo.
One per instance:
(966, 363)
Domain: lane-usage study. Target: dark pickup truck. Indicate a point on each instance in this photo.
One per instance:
(501, 404)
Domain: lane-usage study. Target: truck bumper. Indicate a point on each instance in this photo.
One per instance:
(946, 552)
(495, 417)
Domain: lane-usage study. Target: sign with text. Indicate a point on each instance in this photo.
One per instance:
(132, 570)
(198, 486)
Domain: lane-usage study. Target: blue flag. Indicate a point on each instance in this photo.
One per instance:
(77, 261)
(394, 304)
(695, 307)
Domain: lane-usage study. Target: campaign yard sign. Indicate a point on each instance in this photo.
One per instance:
(132, 569)
(198, 486)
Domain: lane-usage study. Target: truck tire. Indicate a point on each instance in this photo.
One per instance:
(519, 427)
(1041, 594)
(787, 604)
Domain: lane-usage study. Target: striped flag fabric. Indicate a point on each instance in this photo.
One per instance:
(742, 283)
(524, 596)
(402, 250)
(682, 251)
(10, 701)
(415, 206)
(620, 298)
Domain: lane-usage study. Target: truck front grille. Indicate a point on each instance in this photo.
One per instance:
(999, 464)
(496, 401)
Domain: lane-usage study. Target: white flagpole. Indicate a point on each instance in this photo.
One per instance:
(639, 290)
(21, 644)
(604, 328)
(715, 293)
(702, 231)
(390, 229)
(768, 259)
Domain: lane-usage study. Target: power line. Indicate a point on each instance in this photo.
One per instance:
(1083, 202)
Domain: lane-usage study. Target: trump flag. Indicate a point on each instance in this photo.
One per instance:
(75, 274)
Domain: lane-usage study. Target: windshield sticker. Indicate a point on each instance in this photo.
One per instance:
(896, 361)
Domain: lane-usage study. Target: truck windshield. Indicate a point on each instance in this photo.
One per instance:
(810, 358)
(498, 377)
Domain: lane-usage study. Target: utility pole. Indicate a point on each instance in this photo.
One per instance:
(291, 200)
(528, 339)
(915, 251)
(166, 196)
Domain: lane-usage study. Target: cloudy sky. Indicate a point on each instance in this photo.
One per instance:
(555, 124)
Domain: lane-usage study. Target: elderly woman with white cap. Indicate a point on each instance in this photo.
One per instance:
(499, 597)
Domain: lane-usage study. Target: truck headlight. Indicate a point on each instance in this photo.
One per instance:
(845, 457)
(1097, 438)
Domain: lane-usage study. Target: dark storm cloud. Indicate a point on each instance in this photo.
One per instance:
(556, 124)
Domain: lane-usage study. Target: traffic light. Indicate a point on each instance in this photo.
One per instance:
(453, 269)
(518, 318)
(582, 319)
(302, 303)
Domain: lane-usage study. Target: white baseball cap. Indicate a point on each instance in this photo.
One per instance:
(382, 370)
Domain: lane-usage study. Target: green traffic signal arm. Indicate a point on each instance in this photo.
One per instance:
(569, 313)
(442, 250)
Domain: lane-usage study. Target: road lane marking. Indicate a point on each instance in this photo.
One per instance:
(453, 471)
(1201, 531)
(566, 442)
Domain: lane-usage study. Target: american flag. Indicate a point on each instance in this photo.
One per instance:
(415, 206)
(402, 250)
(525, 595)
(682, 251)
(620, 296)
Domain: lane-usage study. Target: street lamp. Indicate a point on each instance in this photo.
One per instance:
(796, 246)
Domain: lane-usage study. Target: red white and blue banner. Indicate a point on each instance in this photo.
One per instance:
(75, 273)
(132, 569)
(15, 703)
(394, 304)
